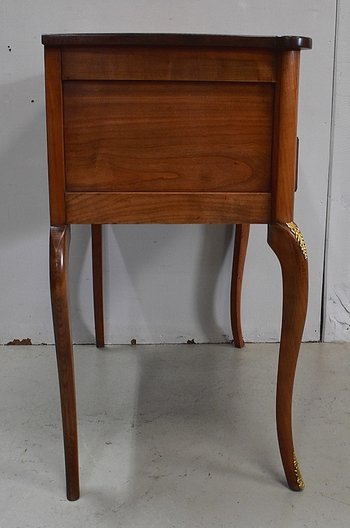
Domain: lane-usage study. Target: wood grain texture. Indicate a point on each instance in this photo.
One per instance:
(168, 208)
(59, 253)
(285, 138)
(97, 282)
(55, 143)
(174, 129)
(239, 255)
(295, 293)
(122, 136)
(286, 42)
(168, 64)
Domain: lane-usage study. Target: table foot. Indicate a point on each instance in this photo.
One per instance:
(288, 244)
(59, 254)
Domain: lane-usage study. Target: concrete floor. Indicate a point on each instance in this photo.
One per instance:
(174, 436)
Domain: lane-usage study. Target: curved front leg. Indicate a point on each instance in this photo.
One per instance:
(59, 251)
(287, 242)
(239, 254)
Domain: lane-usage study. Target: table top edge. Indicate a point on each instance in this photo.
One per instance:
(287, 43)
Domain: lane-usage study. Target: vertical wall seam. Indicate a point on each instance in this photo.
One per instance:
(330, 177)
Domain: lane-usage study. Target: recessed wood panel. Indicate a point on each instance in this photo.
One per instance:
(148, 136)
(168, 64)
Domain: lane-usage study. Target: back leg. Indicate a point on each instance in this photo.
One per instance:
(239, 254)
(97, 277)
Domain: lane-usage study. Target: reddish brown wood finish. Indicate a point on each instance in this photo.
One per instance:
(168, 64)
(167, 208)
(168, 137)
(97, 277)
(295, 293)
(59, 254)
(239, 254)
(55, 142)
(285, 141)
(174, 129)
(287, 42)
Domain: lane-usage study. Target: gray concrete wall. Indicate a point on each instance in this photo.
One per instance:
(337, 286)
(163, 283)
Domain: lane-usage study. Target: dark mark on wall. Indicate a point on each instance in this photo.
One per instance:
(25, 341)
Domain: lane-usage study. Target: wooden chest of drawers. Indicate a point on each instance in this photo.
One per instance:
(175, 129)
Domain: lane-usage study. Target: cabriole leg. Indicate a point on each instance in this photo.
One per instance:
(287, 242)
(97, 276)
(59, 253)
(239, 254)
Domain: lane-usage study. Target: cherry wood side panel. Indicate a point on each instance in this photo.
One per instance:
(285, 137)
(135, 136)
(168, 208)
(168, 64)
(55, 143)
